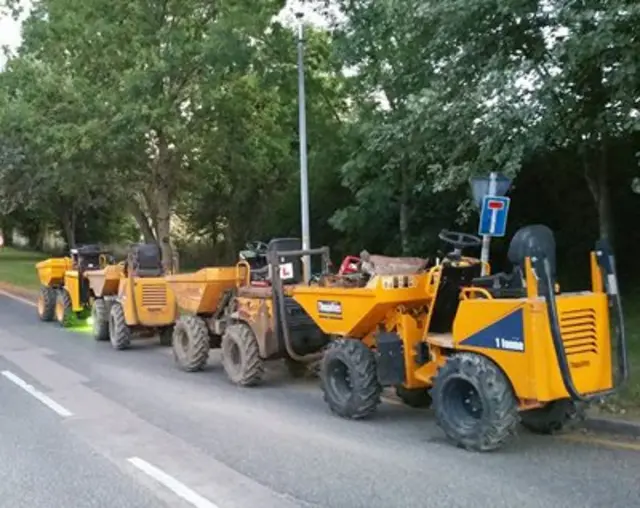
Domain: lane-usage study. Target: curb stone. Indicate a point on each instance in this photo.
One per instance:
(611, 425)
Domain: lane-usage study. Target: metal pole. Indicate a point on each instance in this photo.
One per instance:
(486, 239)
(302, 127)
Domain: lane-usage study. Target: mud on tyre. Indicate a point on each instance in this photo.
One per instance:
(119, 331)
(47, 303)
(474, 403)
(190, 343)
(349, 379)
(241, 355)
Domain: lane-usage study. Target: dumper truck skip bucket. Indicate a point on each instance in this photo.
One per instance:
(200, 292)
(51, 271)
(354, 312)
(105, 282)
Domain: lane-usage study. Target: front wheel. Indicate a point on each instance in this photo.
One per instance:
(241, 355)
(190, 343)
(474, 403)
(47, 303)
(119, 331)
(64, 309)
(100, 320)
(349, 379)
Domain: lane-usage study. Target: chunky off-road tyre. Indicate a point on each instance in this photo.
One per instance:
(64, 311)
(119, 331)
(349, 379)
(549, 419)
(414, 397)
(166, 335)
(100, 318)
(241, 355)
(47, 303)
(474, 403)
(190, 343)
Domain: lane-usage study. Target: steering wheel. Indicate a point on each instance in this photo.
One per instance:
(258, 247)
(459, 240)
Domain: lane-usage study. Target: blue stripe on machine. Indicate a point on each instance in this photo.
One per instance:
(507, 334)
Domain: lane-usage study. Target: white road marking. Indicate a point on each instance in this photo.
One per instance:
(177, 487)
(17, 298)
(47, 401)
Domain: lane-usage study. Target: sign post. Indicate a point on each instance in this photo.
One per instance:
(489, 194)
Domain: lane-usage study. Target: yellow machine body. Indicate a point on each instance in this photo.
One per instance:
(72, 284)
(147, 301)
(513, 332)
(51, 271)
(105, 282)
(200, 292)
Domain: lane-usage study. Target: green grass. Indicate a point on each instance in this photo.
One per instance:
(17, 267)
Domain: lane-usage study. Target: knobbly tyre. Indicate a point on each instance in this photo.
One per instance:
(238, 310)
(132, 299)
(486, 351)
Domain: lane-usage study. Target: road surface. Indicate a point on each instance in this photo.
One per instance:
(84, 425)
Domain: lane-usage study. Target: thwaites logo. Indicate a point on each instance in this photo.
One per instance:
(330, 308)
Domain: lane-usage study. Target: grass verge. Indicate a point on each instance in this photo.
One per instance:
(17, 268)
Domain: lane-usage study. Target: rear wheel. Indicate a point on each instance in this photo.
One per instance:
(47, 303)
(100, 318)
(349, 379)
(414, 397)
(64, 310)
(550, 418)
(166, 335)
(190, 343)
(241, 355)
(474, 403)
(119, 331)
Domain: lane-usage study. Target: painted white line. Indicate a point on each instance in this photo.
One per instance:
(47, 401)
(17, 298)
(178, 488)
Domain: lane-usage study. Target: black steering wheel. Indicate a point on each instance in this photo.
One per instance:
(459, 240)
(258, 247)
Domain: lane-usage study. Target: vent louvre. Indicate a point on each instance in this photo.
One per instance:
(579, 331)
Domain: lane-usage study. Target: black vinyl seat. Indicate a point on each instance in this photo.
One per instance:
(145, 260)
(529, 241)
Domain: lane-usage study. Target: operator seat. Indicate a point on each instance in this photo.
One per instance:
(145, 260)
(529, 241)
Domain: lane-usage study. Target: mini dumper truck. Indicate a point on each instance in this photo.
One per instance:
(487, 352)
(237, 309)
(132, 299)
(64, 292)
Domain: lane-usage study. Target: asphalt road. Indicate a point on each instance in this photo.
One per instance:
(127, 428)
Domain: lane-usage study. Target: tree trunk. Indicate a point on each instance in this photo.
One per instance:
(596, 175)
(142, 221)
(404, 213)
(69, 226)
(163, 203)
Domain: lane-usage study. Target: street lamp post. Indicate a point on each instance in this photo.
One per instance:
(302, 127)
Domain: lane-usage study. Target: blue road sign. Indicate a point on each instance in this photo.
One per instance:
(493, 216)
